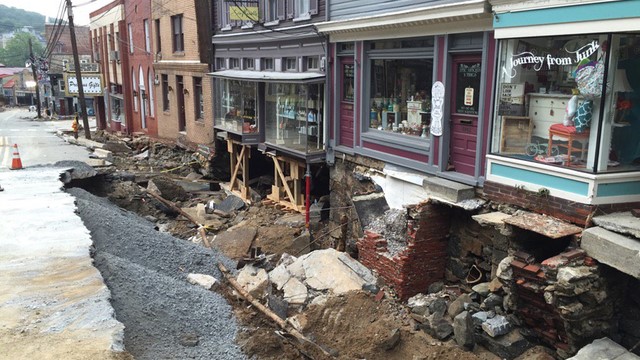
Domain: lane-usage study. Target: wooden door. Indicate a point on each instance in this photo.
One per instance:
(465, 95)
(180, 96)
(347, 95)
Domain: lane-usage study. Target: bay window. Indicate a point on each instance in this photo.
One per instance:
(570, 101)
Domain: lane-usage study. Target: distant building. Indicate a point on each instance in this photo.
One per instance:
(6, 37)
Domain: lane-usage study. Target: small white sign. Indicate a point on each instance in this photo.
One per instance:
(92, 85)
(437, 108)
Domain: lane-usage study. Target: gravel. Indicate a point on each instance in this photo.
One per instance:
(165, 317)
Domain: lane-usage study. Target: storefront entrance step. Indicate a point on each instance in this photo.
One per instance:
(618, 251)
(449, 190)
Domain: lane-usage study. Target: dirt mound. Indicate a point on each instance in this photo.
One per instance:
(359, 327)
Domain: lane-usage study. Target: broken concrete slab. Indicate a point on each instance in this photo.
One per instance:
(279, 306)
(117, 146)
(449, 190)
(543, 224)
(280, 276)
(622, 223)
(103, 154)
(604, 348)
(495, 219)
(75, 170)
(295, 293)
(340, 280)
(206, 281)
(235, 242)
(615, 250)
(370, 207)
(253, 280)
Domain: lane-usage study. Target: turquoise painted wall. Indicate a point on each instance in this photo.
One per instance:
(542, 179)
(618, 189)
(569, 14)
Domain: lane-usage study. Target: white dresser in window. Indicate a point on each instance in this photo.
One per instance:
(546, 110)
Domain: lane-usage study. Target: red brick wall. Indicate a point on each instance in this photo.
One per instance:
(423, 260)
(550, 205)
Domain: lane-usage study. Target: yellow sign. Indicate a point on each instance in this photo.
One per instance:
(245, 13)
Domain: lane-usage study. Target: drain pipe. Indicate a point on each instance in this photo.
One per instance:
(307, 195)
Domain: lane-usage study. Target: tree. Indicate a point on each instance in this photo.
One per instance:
(16, 53)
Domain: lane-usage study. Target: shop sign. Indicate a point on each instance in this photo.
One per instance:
(91, 84)
(244, 13)
(545, 62)
(437, 108)
(511, 100)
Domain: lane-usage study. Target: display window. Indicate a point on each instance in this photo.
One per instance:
(236, 111)
(400, 80)
(294, 116)
(570, 101)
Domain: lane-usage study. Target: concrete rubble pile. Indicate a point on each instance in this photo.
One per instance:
(307, 280)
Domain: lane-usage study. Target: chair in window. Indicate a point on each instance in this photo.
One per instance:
(578, 132)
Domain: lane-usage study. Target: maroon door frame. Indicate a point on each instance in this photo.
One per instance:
(346, 101)
(465, 75)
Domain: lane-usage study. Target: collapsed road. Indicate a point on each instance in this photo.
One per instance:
(165, 317)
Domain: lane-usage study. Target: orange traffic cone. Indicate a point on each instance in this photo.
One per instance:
(16, 164)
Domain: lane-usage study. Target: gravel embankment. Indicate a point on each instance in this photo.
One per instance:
(164, 315)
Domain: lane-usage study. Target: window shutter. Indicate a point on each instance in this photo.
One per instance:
(313, 7)
(290, 10)
(281, 9)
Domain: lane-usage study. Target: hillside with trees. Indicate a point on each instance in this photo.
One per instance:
(13, 18)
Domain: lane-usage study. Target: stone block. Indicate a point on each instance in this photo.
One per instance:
(206, 281)
(615, 250)
(622, 223)
(253, 280)
(457, 306)
(463, 330)
(448, 190)
(496, 326)
(508, 346)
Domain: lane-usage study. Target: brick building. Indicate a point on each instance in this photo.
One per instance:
(181, 34)
(107, 23)
(137, 47)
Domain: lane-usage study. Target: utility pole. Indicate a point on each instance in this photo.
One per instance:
(35, 78)
(76, 63)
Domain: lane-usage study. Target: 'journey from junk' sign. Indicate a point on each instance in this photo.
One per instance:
(92, 85)
(538, 62)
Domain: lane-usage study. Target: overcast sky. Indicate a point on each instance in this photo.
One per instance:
(81, 8)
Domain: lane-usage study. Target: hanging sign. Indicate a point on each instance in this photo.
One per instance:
(468, 96)
(91, 84)
(437, 108)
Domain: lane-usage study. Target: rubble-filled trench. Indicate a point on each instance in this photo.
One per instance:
(147, 255)
(485, 274)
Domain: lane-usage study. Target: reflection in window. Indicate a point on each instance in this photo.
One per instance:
(400, 96)
(551, 95)
(236, 110)
(294, 116)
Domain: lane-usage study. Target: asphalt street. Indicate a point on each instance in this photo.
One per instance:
(53, 302)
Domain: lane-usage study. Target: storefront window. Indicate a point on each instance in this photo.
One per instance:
(552, 101)
(117, 114)
(294, 116)
(400, 96)
(236, 110)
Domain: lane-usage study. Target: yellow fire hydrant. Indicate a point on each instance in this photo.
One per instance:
(75, 126)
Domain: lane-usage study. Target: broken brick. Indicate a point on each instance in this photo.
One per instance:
(555, 262)
(518, 264)
(574, 254)
(532, 268)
